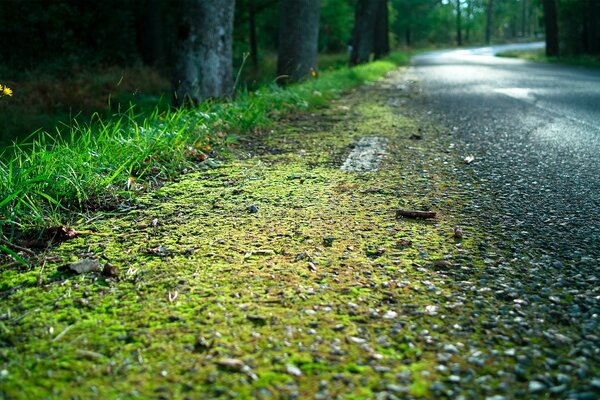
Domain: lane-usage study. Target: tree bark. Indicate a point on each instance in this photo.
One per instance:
(551, 23)
(489, 22)
(203, 61)
(252, 28)
(363, 37)
(458, 24)
(381, 45)
(592, 27)
(298, 39)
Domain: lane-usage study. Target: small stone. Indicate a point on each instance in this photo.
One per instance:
(454, 379)
(356, 340)
(291, 369)
(257, 319)
(558, 389)
(458, 232)
(396, 388)
(389, 314)
(110, 270)
(450, 348)
(339, 327)
(536, 387)
(85, 265)
(231, 364)
(328, 241)
(252, 209)
(440, 265)
(431, 310)
(310, 312)
(595, 383)
(202, 345)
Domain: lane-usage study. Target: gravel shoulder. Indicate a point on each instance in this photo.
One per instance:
(280, 275)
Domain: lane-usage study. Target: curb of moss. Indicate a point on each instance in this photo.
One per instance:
(317, 290)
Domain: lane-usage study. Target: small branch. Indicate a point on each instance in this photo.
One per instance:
(415, 214)
(17, 248)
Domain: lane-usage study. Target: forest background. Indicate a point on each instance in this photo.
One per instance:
(72, 58)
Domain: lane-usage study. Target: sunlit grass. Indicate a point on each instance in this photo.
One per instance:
(44, 181)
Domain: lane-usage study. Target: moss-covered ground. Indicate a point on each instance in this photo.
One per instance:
(275, 275)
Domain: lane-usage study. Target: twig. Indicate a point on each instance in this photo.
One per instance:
(63, 333)
(16, 247)
(415, 214)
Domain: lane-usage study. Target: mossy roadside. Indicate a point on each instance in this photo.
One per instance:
(318, 291)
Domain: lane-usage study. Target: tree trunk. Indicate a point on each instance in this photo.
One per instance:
(551, 23)
(490, 21)
(363, 37)
(524, 18)
(469, 21)
(381, 45)
(458, 24)
(298, 39)
(252, 28)
(203, 61)
(592, 27)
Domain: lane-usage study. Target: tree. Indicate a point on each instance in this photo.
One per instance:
(370, 26)
(458, 24)
(381, 45)
(551, 23)
(489, 21)
(298, 39)
(203, 61)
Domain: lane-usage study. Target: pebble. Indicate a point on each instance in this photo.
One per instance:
(536, 387)
(291, 369)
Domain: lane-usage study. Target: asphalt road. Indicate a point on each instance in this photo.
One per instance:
(534, 130)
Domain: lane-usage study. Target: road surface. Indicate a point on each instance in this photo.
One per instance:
(534, 130)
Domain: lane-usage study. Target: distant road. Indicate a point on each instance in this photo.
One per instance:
(534, 130)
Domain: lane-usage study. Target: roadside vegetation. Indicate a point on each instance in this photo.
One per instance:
(53, 178)
(588, 61)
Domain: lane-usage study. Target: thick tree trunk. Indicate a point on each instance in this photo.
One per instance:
(592, 27)
(298, 39)
(381, 46)
(203, 62)
(551, 23)
(363, 37)
(489, 22)
(458, 24)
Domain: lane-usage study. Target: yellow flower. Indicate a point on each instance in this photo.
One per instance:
(7, 91)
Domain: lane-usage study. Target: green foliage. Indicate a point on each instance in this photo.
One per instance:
(337, 20)
(584, 60)
(105, 160)
(433, 22)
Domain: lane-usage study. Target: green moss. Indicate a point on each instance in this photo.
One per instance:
(205, 277)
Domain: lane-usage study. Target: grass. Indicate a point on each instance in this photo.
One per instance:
(540, 56)
(95, 164)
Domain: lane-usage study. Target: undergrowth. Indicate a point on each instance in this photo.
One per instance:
(46, 180)
(540, 56)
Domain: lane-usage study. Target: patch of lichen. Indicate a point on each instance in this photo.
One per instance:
(276, 259)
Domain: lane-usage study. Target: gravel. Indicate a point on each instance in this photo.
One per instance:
(538, 298)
